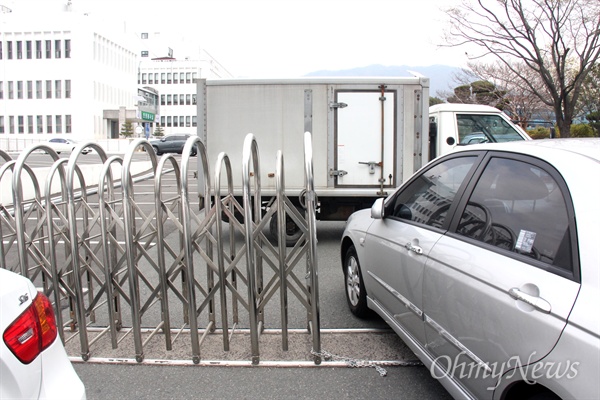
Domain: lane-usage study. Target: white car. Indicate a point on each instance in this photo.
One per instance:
(64, 145)
(487, 264)
(33, 361)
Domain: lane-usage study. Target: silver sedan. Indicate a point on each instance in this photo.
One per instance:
(487, 264)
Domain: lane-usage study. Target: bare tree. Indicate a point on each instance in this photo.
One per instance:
(519, 101)
(558, 42)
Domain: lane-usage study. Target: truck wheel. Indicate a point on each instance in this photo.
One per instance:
(292, 231)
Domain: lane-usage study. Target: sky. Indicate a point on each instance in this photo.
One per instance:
(291, 38)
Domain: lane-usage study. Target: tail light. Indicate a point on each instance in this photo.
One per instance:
(33, 331)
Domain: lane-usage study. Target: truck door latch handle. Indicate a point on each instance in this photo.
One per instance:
(372, 165)
(334, 172)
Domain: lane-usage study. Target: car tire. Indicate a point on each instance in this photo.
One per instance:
(156, 150)
(356, 294)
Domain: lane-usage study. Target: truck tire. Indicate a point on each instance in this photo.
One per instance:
(292, 231)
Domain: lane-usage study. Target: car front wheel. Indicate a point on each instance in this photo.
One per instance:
(356, 295)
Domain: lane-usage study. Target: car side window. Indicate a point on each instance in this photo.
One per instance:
(519, 207)
(427, 198)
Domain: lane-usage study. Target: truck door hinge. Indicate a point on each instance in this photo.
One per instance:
(338, 105)
(334, 172)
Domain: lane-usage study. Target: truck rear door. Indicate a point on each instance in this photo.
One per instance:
(364, 138)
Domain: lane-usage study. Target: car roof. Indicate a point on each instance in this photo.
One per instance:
(584, 147)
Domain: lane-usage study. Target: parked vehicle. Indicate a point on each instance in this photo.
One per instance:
(64, 145)
(486, 263)
(369, 134)
(33, 361)
(171, 144)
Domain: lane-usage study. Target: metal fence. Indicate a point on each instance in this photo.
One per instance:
(110, 264)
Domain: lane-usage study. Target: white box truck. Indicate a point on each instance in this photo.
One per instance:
(369, 134)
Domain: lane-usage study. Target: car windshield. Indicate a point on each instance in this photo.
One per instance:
(474, 128)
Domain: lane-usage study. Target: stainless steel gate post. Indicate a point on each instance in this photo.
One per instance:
(109, 251)
(281, 236)
(187, 233)
(222, 159)
(250, 153)
(72, 169)
(311, 207)
(129, 221)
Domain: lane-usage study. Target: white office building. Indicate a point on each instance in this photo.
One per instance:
(70, 74)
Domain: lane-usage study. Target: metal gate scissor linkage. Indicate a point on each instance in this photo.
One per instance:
(108, 263)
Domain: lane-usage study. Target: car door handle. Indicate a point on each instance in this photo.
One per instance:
(534, 301)
(411, 247)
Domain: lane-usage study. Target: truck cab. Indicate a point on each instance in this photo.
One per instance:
(452, 125)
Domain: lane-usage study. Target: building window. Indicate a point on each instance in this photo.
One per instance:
(150, 79)
(188, 77)
(1, 89)
(182, 99)
(59, 124)
(48, 123)
(1, 124)
(162, 101)
(19, 49)
(156, 78)
(168, 121)
(30, 89)
(48, 49)
(38, 49)
(19, 89)
(67, 48)
(175, 122)
(194, 99)
(1, 47)
(169, 77)
(40, 124)
(68, 89)
(57, 89)
(9, 51)
(57, 49)
(175, 80)
(194, 74)
(21, 120)
(182, 77)
(145, 53)
(38, 89)
(162, 121)
(187, 121)
(30, 124)
(194, 120)
(168, 99)
(11, 124)
(11, 94)
(188, 99)
(67, 124)
(29, 49)
(48, 89)
(144, 35)
(144, 78)
(175, 100)
(182, 121)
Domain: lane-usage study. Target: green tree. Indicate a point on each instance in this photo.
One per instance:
(127, 129)
(435, 100)
(558, 41)
(159, 131)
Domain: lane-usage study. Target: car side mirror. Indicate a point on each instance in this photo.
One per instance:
(377, 209)
(163, 139)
